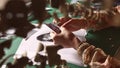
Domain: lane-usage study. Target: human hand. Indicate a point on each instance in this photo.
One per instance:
(100, 59)
(96, 58)
(66, 38)
(105, 64)
(109, 62)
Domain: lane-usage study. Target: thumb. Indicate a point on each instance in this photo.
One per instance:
(62, 28)
(52, 34)
(108, 60)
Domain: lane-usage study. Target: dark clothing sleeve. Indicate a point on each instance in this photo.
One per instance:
(107, 39)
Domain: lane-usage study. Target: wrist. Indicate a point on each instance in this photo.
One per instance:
(77, 44)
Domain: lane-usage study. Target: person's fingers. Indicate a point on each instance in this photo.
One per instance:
(52, 34)
(55, 37)
(62, 29)
(100, 51)
(69, 25)
(75, 24)
(55, 40)
(108, 59)
(94, 63)
(98, 59)
(97, 65)
(87, 54)
(94, 58)
(66, 33)
(107, 62)
(98, 55)
(65, 38)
